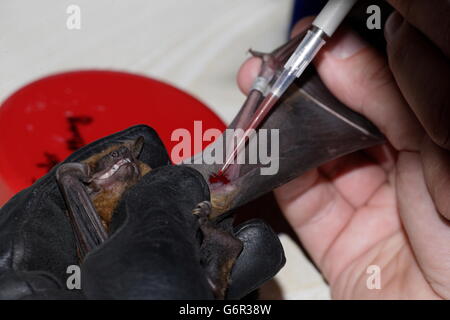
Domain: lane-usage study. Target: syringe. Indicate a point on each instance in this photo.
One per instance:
(323, 27)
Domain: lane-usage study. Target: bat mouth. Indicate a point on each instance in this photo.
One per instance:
(114, 169)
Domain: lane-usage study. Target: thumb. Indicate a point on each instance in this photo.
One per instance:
(360, 77)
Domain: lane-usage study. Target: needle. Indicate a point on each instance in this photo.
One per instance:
(323, 27)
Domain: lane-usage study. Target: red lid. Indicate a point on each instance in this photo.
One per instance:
(44, 122)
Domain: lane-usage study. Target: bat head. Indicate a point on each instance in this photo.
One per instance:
(119, 164)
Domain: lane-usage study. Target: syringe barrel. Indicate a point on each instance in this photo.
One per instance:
(283, 82)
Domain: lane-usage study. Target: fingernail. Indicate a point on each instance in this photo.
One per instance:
(347, 45)
(394, 21)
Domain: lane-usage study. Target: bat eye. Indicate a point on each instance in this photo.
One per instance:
(115, 154)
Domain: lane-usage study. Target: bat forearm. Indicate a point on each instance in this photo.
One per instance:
(87, 226)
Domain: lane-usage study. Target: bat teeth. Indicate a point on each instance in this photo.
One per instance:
(114, 168)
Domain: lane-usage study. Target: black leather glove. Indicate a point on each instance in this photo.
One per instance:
(153, 249)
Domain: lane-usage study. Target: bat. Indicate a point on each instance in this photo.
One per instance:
(313, 128)
(93, 188)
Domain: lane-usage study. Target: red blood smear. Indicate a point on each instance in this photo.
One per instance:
(219, 177)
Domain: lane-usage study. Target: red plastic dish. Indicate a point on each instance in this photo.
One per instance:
(47, 120)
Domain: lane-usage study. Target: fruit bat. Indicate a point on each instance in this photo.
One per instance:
(313, 128)
(93, 188)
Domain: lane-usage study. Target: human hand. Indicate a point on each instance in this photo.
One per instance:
(386, 206)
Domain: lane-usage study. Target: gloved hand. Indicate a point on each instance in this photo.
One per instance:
(153, 248)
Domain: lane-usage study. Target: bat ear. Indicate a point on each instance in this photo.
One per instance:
(137, 146)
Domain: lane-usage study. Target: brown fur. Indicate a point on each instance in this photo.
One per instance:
(105, 203)
(221, 201)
